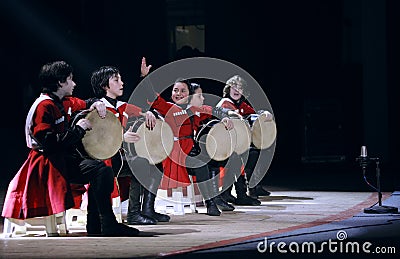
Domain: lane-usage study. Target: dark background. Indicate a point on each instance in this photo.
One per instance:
(330, 69)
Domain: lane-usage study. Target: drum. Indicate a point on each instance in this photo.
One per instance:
(217, 140)
(263, 133)
(105, 138)
(242, 135)
(155, 145)
(221, 143)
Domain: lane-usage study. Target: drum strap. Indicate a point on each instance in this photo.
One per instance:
(196, 150)
(190, 114)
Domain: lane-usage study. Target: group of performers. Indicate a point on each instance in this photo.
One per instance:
(56, 161)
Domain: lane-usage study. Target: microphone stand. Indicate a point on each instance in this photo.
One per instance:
(375, 209)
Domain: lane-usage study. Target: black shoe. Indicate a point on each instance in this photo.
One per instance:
(247, 200)
(138, 219)
(157, 216)
(222, 204)
(148, 207)
(212, 209)
(261, 191)
(118, 230)
(253, 193)
(228, 197)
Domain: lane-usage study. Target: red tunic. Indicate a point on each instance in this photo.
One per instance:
(243, 109)
(40, 188)
(174, 167)
(123, 111)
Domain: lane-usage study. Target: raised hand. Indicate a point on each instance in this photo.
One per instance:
(144, 68)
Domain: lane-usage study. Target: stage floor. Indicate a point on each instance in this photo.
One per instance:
(283, 212)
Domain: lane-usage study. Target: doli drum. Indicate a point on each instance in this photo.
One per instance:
(242, 135)
(217, 140)
(105, 138)
(263, 133)
(155, 145)
(220, 143)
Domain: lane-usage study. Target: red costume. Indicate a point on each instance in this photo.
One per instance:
(124, 110)
(174, 166)
(241, 107)
(40, 187)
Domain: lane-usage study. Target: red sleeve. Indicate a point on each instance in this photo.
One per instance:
(246, 109)
(75, 103)
(206, 112)
(133, 110)
(228, 105)
(161, 105)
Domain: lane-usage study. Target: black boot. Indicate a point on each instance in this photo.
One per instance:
(134, 216)
(253, 193)
(148, 207)
(258, 191)
(93, 225)
(212, 209)
(241, 192)
(227, 195)
(219, 201)
(111, 228)
(102, 185)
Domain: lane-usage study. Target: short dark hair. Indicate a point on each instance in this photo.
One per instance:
(184, 81)
(100, 79)
(51, 74)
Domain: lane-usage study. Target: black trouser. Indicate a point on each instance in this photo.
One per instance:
(140, 170)
(232, 167)
(234, 164)
(250, 166)
(197, 166)
(101, 180)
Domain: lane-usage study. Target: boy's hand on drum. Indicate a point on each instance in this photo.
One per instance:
(84, 124)
(100, 107)
(228, 123)
(235, 114)
(150, 120)
(130, 136)
(268, 116)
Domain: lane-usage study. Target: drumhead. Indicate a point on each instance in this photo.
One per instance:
(105, 138)
(155, 145)
(220, 142)
(242, 136)
(263, 133)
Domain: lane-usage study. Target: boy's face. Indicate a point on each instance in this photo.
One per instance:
(68, 86)
(197, 98)
(115, 86)
(180, 93)
(236, 91)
